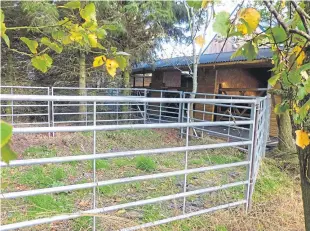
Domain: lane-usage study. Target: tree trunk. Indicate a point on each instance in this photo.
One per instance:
(82, 84)
(285, 137)
(304, 162)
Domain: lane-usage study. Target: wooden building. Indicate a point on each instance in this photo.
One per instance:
(217, 74)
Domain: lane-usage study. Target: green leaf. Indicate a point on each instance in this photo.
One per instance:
(113, 49)
(250, 50)
(302, 92)
(101, 33)
(304, 110)
(89, 12)
(279, 34)
(304, 67)
(32, 44)
(7, 154)
(237, 53)
(222, 23)
(73, 5)
(111, 27)
(195, 4)
(273, 80)
(280, 108)
(54, 46)
(294, 77)
(58, 35)
(122, 62)
(1, 16)
(6, 133)
(6, 40)
(42, 62)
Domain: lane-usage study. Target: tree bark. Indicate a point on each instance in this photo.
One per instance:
(82, 85)
(126, 84)
(285, 137)
(304, 163)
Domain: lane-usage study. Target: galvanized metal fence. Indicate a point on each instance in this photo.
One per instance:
(254, 143)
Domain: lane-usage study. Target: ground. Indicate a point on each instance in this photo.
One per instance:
(276, 203)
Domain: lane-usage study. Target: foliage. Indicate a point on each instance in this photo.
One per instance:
(78, 29)
(6, 132)
(288, 41)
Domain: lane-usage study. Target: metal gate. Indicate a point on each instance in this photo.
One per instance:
(254, 145)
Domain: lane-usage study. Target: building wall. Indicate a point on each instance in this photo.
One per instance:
(209, 81)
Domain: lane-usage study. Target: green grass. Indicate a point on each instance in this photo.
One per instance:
(40, 152)
(270, 180)
(221, 159)
(111, 190)
(145, 163)
(42, 177)
(43, 205)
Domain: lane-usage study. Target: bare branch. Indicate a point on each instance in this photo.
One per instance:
(302, 16)
(300, 10)
(282, 23)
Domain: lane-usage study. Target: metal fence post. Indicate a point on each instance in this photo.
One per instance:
(48, 112)
(230, 115)
(251, 156)
(182, 116)
(159, 118)
(94, 163)
(117, 109)
(186, 160)
(180, 111)
(12, 106)
(203, 116)
(52, 115)
(145, 107)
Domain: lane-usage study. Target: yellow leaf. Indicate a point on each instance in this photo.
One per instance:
(205, 3)
(99, 61)
(251, 17)
(3, 29)
(92, 40)
(75, 36)
(242, 28)
(199, 40)
(301, 56)
(283, 3)
(302, 139)
(111, 66)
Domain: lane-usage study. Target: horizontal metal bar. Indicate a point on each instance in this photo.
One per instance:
(125, 126)
(93, 88)
(63, 159)
(184, 216)
(120, 99)
(27, 87)
(12, 195)
(25, 105)
(83, 121)
(98, 104)
(117, 207)
(18, 115)
(34, 123)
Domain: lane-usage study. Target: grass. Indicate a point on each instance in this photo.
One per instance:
(145, 163)
(42, 177)
(274, 190)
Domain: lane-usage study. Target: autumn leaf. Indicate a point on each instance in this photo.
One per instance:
(31, 44)
(99, 61)
(204, 3)
(249, 18)
(301, 56)
(199, 40)
(302, 139)
(92, 40)
(111, 66)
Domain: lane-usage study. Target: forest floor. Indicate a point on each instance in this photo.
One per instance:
(276, 203)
